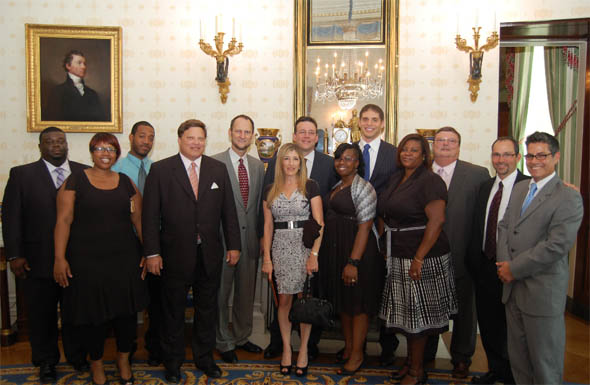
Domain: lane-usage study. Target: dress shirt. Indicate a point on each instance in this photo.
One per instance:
(373, 151)
(187, 165)
(51, 168)
(235, 161)
(448, 171)
(508, 183)
(78, 83)
(541, 183)
(130, 164)
(309, 162)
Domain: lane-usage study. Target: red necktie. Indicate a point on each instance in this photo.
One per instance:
(243, 177)
(192, 176)
(492, 225)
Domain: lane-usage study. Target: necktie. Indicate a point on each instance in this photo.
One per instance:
(367, 160)
(441, 172)
(141, 177)
(492, 224)
(60, 177)
(243, 177)
(529, 198)
(192, 176)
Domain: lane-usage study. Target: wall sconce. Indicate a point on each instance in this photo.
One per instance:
(221, 56)
(476, 57)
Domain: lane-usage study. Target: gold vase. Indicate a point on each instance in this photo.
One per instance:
(428, 134)
(268, 141)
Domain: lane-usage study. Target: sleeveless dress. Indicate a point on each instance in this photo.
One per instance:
(339, 234)
(104, 254)
(289, 255)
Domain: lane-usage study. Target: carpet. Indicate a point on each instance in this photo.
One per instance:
(242, 373)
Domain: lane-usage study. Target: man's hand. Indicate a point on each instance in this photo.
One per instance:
(232, 257)
(19, 267)
(154, 264)
(504, 272)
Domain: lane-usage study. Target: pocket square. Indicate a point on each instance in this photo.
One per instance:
(214, 186)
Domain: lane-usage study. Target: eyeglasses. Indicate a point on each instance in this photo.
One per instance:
(446, 140)
(539, 156)
(105, 149)
(505, 155)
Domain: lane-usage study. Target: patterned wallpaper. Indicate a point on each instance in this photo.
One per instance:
(167, 79)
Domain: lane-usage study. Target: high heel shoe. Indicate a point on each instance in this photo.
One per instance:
(286, 369)
(345, 372)
(301, 372)
(419, 380)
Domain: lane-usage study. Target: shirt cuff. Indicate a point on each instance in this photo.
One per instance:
(151, 256)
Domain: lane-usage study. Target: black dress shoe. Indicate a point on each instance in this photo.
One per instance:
(154, 360)
(211, 370)
(47, 373)
(273, 351)
(230, 357)
(250, 347)
(488, 378)
(173, 376)
(386, 359)
(460, 370)
(81, 366)
(312, 353)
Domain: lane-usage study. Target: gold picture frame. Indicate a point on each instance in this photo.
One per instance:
(90, 102)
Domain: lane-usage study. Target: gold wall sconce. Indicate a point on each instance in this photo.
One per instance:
(476, 57)
(222, 56)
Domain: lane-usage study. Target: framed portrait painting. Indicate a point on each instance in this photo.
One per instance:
(73, 78)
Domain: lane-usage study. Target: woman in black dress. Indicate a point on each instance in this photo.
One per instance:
(97, 256)
(350, 266)
(419, 295)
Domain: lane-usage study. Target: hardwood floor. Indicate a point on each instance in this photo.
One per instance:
(577, 356)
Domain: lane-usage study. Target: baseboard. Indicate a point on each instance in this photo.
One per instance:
(577, 309)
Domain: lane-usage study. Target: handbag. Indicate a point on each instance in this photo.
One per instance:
(312, 310)
(311, 230)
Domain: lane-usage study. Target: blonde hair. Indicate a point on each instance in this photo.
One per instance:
(277, 186)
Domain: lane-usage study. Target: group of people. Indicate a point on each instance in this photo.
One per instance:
(412, 240)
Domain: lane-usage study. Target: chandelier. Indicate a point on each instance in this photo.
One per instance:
(348, 83)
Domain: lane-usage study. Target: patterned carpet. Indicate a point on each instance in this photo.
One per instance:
(245, 372)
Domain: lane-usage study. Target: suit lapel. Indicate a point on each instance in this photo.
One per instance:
(182, 177)
(458, 176)
(205, 177)
(379, 163)
(538, 200)
(46, 178)
(252, 181)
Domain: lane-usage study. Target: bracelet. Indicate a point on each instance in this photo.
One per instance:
(314, 254)
(266, 262)
(354, 262)
(420, 261)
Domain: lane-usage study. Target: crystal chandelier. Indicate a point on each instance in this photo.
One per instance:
(347, 84)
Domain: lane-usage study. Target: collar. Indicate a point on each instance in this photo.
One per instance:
(508, 181)
(310, 157)
(135, 160)
(235, 157)
(187, 162)
(65, 165)
(374, 144)
(542, 182)
(449, 168)
(76, 79)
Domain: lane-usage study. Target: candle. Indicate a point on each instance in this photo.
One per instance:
(220, 23)
(457, 24)
(233, 27)
(476, 18)
(494, 29)
(241, 33)
(201, 29)
(216, 24)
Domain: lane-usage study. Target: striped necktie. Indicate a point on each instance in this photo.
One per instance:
(60, 177)
(194, 178)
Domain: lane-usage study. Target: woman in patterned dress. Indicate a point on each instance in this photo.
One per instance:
(419, 295)
(287, 205)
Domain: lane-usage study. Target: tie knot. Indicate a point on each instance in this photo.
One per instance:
(193, 165)
(533, 188)
(500, 186)
(367, 147)
(241, 161)
(441, 171)
(59, 170)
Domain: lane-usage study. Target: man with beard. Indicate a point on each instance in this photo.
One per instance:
(29, 216)
(136, 165)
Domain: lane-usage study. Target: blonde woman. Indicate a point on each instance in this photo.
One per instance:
(287, 205)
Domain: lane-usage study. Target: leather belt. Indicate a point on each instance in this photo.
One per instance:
(288, 225)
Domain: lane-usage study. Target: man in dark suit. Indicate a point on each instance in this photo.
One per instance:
(187, 198)
(73, 100)
(463, 180)
(490, 207)
(246, 174)
(28, 215)
(535, 237)
(380, 164)
(320, 167)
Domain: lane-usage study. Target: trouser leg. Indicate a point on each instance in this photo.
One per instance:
(464, 323)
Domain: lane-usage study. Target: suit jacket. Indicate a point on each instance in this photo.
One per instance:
(66, 103)
(322, 171)
(29, 215)
(463, 191)
(385, 166)
(475, 256)
(537, 245)
(248, 218)
(172, 218)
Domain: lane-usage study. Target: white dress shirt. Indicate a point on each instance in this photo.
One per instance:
(51, 168)
(78, 83)
(508, 183)
(447, 171)
(373, 151)
(235, 161)
(187, 165)
(309, 162)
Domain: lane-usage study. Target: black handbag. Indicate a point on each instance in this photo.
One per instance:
(311, 230)
(311, 310)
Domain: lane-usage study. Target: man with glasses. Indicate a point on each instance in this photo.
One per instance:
(490, 207)
(463, 180)
(29, 215)
(534, 239)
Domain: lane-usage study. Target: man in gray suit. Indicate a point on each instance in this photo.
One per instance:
(246, 174)
(463, 180)
(535, 236)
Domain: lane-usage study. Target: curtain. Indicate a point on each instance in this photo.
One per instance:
(561, 73)
(519, 64)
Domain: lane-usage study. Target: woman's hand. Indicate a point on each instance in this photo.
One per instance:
(350, 275)
(267, 269)
(312, 264)
(61, 272)
(416, 269)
